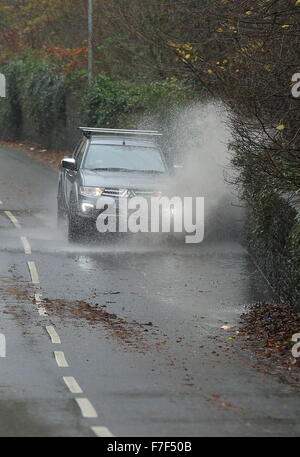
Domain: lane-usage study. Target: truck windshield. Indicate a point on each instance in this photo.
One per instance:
(131, 158)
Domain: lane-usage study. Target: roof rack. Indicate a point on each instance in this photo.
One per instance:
(88, 131)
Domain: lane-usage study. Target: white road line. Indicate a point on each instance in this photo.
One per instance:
(33, 273)
(53, 335)
(72, 385)
(102, 432)
(38, 298)
(42, 311)
(2, 346)
(86, 407)
(26, 245)
(13, 219)
(60, 359)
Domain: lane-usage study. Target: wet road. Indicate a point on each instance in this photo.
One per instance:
(123, 339)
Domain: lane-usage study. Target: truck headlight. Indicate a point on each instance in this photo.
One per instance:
(91, 191)
(87, 207)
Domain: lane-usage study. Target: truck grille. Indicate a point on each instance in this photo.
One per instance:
(130, 193)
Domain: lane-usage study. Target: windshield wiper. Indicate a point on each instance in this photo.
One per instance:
(126, 170)
(151, 171)
(109, 169)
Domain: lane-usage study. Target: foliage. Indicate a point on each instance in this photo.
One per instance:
(35, 91)
(273, 237)
(115, 103)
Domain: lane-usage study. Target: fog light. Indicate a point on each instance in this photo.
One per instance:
(87, 207)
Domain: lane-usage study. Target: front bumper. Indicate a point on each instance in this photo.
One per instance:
(87, 211)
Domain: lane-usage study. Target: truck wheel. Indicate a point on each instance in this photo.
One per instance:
(74, 229)
(60, 214)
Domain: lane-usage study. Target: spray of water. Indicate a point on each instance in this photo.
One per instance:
(199, 139)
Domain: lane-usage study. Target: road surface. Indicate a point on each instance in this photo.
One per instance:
(123, 339)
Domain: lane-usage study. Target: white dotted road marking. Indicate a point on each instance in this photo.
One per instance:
(2, 346)
(60, 359)
(13, 219)
(53, 335)
(72, 385)
(86, 407)
(38, 298)
(26, 245)
(102, 432)
(42, 311)
(33, 273)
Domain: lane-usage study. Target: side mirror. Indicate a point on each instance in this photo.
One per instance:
(68, 164)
